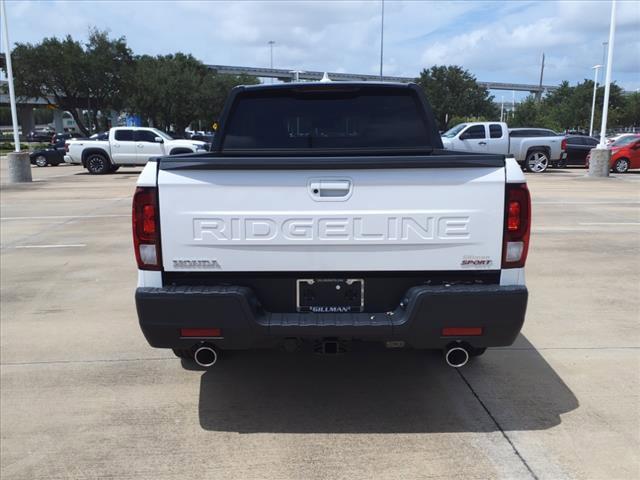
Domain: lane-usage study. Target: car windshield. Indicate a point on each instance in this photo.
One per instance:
(621, 142)
(160, 133)
(452, 132)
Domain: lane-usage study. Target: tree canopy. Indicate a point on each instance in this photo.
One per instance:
(569, 108)
(454, 92)
(78, 77)
(176, 90)
(168, 91)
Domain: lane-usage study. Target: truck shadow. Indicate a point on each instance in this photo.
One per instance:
(382, 392)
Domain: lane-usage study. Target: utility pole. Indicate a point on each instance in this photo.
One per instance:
(593, 102)
(271, 44)
(539, 94)
(381, 38)
(502, 109)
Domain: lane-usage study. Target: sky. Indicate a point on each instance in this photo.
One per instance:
(496, 41)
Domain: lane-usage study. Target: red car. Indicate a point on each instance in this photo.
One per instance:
(625, 154)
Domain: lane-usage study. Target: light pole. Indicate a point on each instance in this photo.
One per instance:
(604, 53)
(381, 38)
(18, 164)
(593, 102)
(271, 44)
(12, 92)
(502, 109)
(607, 85)
(600, 162)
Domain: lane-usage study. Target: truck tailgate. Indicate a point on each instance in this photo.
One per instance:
(419, 219)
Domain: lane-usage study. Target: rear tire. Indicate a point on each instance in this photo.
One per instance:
(537, 161)
(41, 161)
(98, 164)
(621, 165)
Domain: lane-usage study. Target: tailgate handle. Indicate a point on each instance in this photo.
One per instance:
(330, 188)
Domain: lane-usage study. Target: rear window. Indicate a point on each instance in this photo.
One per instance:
(332, 118)
(495, 131)
(124, 135)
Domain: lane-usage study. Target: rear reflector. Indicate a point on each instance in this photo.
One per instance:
(200, 332)
(461, 331)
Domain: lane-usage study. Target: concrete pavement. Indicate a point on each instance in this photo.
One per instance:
(83, 396)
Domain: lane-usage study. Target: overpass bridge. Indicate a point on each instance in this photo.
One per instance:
(290, 75)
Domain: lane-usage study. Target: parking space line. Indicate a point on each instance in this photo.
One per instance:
(612, 202)
(609, 223)
(99, 360)
(76, 245)
(64, 217)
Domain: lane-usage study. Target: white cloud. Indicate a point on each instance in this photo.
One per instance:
(500, 41)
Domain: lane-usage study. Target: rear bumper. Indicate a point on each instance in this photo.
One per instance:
(418, 321)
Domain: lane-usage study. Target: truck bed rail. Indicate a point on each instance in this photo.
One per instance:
(439, 159)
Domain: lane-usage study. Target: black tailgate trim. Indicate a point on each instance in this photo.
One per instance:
(341, 162)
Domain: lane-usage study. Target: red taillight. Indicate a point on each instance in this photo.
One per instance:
(146, 231)
(513, 216)
(461, 331)
(200, 332)
(563, 144)
(66, 147)
(149, 219)
(516, 226)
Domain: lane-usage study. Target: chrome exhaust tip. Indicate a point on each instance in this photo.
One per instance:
(205, 356)
(457, 356)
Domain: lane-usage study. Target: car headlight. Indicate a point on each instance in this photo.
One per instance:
(200, 147)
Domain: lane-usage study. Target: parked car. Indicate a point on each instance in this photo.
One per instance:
(40, 135)
(64, 136)
(533, 148)
(127, 146)
(100, 136)
(578, 147)
(615, 138)
(52, 155)
(625, 154)
(206, 138)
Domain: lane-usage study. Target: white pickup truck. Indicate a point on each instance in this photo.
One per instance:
(533, 148)
(327, 215)
(127, 146)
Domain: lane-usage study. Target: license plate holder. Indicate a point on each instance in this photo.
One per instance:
(330, 295)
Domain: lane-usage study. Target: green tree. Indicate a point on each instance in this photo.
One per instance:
(72, 76)
(172, 91)
(630, 111)
(527, 113)
(214, 92)
(109, 68)
(569, 108)
(453, 91)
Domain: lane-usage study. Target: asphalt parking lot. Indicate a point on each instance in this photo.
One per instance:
(84, 396)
